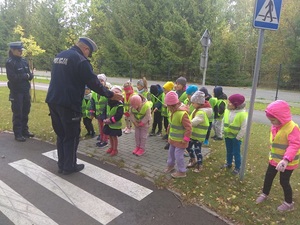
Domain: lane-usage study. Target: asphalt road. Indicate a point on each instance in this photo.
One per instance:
(262, 95)
(32, 192)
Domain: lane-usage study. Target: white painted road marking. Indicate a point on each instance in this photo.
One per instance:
(121, 184)
(19, 210)
(88, 203)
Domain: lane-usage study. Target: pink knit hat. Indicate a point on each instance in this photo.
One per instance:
(171, 98)
(135, 101)
(236, 99)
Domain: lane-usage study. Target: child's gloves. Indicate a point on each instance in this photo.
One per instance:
(141, 124)
(126, 114)
(282, 165)
(107, 121)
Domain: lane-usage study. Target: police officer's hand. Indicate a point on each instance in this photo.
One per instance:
(30, 76)
(117, 96)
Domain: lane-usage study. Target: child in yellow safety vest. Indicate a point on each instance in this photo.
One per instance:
(180, 130)
(167, 87)
(86, 116)
(180, 87)
(284, 152)
(128, 92)
(200, 123)
(98, 104)
(142, 88)
(235, 123)
(140, 115)
(156, 98)
(113, 124)
(212, 102)
(219, 109)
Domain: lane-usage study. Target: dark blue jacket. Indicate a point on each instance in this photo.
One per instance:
(71, 71)
(18, 74)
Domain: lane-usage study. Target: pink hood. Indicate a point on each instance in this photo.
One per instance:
(280, 110)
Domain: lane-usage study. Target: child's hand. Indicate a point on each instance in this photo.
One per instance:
(126, 114)
(107, 121)
(282, 165)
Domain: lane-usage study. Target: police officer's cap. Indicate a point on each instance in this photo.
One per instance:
(16, 45)
(89, 42)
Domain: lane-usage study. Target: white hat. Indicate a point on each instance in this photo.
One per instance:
(102, 77)
(198, 97)
(116, 87)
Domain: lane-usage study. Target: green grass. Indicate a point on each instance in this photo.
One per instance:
(234, 199)
(217, 189)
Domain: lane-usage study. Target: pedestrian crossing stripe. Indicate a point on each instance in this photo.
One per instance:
(20, 211)
(268, 13)
(121, 184)
(86, 202)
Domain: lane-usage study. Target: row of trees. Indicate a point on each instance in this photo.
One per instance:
(159, 38)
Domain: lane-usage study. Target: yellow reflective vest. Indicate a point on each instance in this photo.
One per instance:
(110, 113)
(280, 143)
(139, 115)
(176, 132)
(199, 131)
(232, 129)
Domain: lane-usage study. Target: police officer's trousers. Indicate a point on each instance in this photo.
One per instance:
(66, 124)
(20, 106)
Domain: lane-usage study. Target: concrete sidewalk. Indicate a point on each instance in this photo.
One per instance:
(150, 165)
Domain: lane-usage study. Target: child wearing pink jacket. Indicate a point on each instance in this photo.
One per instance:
(140, 115)
(284, 152)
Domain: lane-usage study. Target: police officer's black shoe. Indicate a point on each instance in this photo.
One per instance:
(20, 138)
(77, 168)
(28, 135)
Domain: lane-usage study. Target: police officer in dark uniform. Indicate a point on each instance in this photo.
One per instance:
(71, 71)
(19, 77)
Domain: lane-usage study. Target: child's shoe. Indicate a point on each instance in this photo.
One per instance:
(102, 144)
(198, 169)
(186, 153)
(285, 207)
(235, 171)
(152, 133)
(109, 150)
(169, 169)
(167, 146)
(206, 142)
(114, 152)
(98, 138)
(158, 133)
(178, 174)
(128, 131)
(192, 163)
(140, 152)
(165, 137)
(226, 166)
(262, 197)
(135, 150)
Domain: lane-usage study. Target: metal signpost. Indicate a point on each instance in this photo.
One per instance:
(205, 42)
(266, 16)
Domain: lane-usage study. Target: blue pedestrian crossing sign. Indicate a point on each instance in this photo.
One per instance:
(267, 14)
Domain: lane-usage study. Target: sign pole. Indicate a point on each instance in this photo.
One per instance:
(252, 100)
(205, 42)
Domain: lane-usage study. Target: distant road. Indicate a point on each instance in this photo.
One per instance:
(262, 95)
